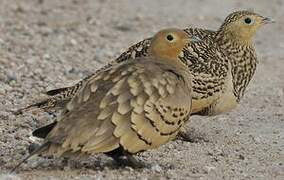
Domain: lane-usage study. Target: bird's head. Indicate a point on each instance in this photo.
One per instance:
(167, 44)
(242, 25)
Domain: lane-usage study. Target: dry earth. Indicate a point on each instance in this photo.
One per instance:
(52, 43)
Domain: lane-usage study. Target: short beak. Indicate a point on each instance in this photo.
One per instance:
(267, 20)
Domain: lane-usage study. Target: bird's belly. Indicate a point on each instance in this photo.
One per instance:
(200, 104)
(225, 103)
(220, 102)
(226, 100)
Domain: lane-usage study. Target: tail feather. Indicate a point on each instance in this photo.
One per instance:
(45, 104)
(58, 98)
(54, 92)
(38, 150)
(42, 132)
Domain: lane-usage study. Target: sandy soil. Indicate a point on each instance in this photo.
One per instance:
(52, 43)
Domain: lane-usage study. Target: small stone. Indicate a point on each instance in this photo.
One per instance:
(123, 27)
(30, 61)
(73, 42)
(11, 76)
(128, 168)
(10, 176)
(144, 178)
(2, 91)
(46, 56)
(156, 168)
(257, 139)
(241, 157)
(67, 168)
(209, 168)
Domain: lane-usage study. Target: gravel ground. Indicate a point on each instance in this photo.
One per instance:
(52, 43)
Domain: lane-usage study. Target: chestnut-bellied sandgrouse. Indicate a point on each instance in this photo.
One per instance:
(129, 107)
(218, 83)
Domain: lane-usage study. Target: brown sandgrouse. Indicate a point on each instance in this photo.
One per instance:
(129, 107)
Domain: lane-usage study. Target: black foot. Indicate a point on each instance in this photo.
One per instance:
(123, 158)
(133, 162)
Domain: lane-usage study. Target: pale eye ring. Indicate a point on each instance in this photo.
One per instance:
(248, 20)
(170, 37)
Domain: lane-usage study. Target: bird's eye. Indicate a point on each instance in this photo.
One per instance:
(170, 37)
(248, 20)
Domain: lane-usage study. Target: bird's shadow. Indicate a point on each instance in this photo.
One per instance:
(193, 136)
(96, 163)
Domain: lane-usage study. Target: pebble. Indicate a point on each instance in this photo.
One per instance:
(123, 27)
(209, 168)
(10, 177)
(73, 42)
(11, 76)
(257, 139)
(156, 168)
(31, 61)
(1, 41)
(2, 91)
(46, 56)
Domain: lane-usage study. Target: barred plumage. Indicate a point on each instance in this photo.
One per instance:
(132, 106)
(221, 71)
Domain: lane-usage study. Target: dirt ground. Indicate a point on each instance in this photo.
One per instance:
(52, 43)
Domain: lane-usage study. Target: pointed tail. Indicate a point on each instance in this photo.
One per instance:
(45, 104)
(39, 149)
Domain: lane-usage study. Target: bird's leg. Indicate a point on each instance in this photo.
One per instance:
(123, 158)
(133, 162)
(117, 156)
(51, 113)
(184, 135)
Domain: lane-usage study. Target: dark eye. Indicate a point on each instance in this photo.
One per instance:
(248, 20)
(170, 37)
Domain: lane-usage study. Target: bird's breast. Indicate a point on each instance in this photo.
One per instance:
(213, 101)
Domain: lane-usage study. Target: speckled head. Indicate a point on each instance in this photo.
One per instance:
(167, 44)
(242, 25)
